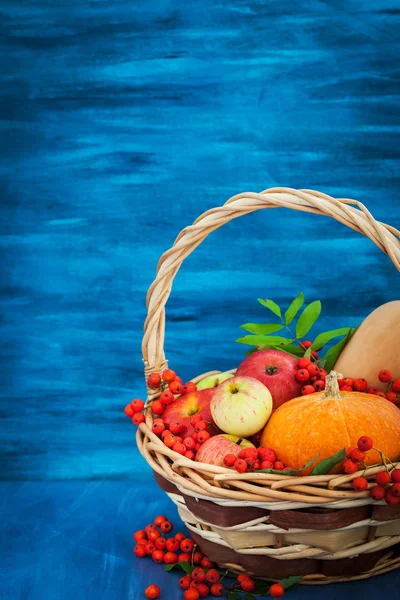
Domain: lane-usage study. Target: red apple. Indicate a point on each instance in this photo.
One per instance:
(276, 370)
(190, 404)
(213, 451)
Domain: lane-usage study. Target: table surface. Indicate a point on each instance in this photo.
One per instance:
(73, 540)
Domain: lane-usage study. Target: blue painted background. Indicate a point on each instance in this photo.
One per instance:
(120, 123)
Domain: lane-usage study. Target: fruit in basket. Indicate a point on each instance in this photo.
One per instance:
(217, 447)
(183, 408)
(373, 346)
(241, 406)
(212, 381)
(325, 422)
(276, 370)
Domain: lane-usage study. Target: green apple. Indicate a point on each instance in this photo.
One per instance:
(213, 380)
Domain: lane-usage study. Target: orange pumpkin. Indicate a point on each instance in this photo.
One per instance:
(326, 422)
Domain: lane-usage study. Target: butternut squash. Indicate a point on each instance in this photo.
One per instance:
(375, 345)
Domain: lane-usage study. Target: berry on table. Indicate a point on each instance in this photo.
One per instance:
(360, 385)
(184, 582)
(160, 543)
(212, 576)
(152, 591)
(229, 460)
(140, 550)
(150, 527)
(180, 536)
(191, 594)
(137, 405)
(167, 397)
(350, 466)
(198, 574)
(170, 558)
(377, 492)
(128, 410)
(166, 526)
(168, 375)
(175, 387)
(153, 535)
(396, 385)
(206, 563)
(154, 381)
(157, 407)
(365, 443)
(277, 590)
(139, 535)
(241, 577)
(138, 418)
(217, 590)
(150, 547)
(188, 388)
(197, 558)
(158, 556)
(302, 375)
(184, 557)
(203, 589)
(385, 376)
(383, 478)
(360, 484)
(172, 545)
(240, 465)
(247, 585)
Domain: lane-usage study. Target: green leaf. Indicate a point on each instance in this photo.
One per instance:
(307, 318)
(263, 340)
(250, 596)
(170, 567)
(291, 472)
(323, 338)
(289, 582)
(333, 353)
(307, 353)
(271, 305)
(294, 308)
(234, 595)
(326, 465)
(251, 351)
(291, 349)
(262, 329)
(187, 567)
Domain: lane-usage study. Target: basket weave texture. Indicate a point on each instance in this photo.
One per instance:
(270, 525)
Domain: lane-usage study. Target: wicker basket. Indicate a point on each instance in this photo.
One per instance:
(270, 526)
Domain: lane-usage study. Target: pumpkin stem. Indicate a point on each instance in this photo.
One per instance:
(332, 385)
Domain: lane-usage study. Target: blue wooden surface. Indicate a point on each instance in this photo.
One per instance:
(63, 540)
(121, 123)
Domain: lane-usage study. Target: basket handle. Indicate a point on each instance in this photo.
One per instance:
(387, 238)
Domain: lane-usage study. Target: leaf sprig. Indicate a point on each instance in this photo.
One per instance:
(262, 339)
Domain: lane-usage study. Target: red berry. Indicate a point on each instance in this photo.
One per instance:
(319, 385)
(165, 433)
(241, 577)
(377, 492)
(256, 465)
(197, 558)
(247, 585)
(180, 536)
(194, 436)
(350, 466)
(206, 563)
(184, 557)
(303, 362)
(203, 589)
(189, 442)
(373, 391)
(197, 447)
(160, 543)
(150, 547)
(212, 576)
(196, 418)
(240, 465)
(175, 387)
(189, 454)
(267, 454)
(201, 425)
(179, 448)
(158, 426)
(141, 535)
(188, 388)
(392, 397)
(166, 526)
(176, 428)
(348, 381)
(315, 355)
(395, 475)
(187, 545)
(396, 385)
(229, 460)
(168, 375)
(266, 464)
(170, 440)
(279, 465)
(381, 394)
(140, 550)
(382, 478)
(153, 535)
(249, 453)
(217, 589)
(157, 407)
(349, 451)
(198, 574)
(153, 381)
(170, 558)
(191, 594)
(152, 591)
(150, 527)
(396, 489)
(203, 437)
(357, 455)
(172, 545)
(346, 388)
(360, 385)
(167, 398)
(158, 556)
(322, 373)
(137, 405)
(307, 389)
(128, 410)
(360, 484)
(390, 498)
(277, 590)
(138, 418)
(302, 375)
(365, 443)
(385, 376)
(306, 344)
(312, 370)
(184, 582)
